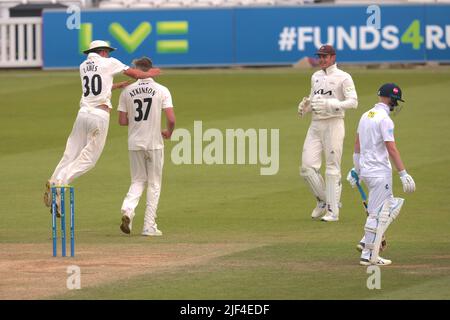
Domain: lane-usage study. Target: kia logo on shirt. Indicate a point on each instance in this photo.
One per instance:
(322, 92)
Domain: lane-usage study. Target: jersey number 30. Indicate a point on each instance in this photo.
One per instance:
(94, 85)
(140, 103)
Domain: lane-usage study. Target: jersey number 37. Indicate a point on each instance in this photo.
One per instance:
(141, 114)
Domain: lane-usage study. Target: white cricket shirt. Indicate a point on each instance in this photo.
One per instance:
(332, 83)
(374, 129)
(97, 74)
(144, 101)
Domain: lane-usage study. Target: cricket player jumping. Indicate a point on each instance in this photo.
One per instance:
(332, 92)
(87, 139)
(140, 107)
(374, 145)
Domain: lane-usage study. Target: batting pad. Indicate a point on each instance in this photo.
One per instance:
(389, 212)
(333, 190)
(315, 182)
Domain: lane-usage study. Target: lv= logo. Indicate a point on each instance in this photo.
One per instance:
(132, 40)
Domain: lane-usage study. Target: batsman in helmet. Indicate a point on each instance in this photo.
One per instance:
(374, 145)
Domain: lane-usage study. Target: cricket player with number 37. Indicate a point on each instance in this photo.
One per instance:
(332, 93)
(374, 145)
(141, 105)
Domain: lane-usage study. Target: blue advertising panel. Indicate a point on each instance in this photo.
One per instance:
(253, 36)
(437, 34)
(286, 35)
(169, 37)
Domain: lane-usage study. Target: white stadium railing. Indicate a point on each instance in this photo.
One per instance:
(20, 42)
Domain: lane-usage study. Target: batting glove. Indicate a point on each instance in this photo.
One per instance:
(409, 185)
(352, 177)
(304, 106)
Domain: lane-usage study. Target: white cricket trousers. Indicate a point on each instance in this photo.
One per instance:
(84, 145)
(380, 190)
(146, 168)
(325, 136)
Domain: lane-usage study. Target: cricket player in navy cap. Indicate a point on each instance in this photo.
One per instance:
(374, 145)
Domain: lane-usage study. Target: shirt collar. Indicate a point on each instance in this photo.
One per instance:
(147, 79)
(383, 106)
(93, 55)
(330, 69)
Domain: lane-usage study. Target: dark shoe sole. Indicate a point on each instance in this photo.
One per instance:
(48, 200)
(125, 226)
(58, 212)
(48, 195)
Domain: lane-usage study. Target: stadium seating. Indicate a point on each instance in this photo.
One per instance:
(112, 4)
(238, 3)
(6, 5)
(81, 3)
(195, 3)
(148, 4)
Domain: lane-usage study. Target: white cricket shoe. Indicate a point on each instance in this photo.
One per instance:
(330, 217)
(319, 210)
(126, 225)
(151, 231)
(380, 262)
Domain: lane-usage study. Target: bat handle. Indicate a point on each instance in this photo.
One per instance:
(355, 175)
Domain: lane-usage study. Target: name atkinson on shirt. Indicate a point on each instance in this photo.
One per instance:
(139, 90)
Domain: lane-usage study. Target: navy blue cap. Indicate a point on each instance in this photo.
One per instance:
(390, 90)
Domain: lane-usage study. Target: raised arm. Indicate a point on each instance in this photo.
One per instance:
(121, 85)
(139, 74)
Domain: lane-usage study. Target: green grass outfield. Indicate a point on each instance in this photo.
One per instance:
(229, 233)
